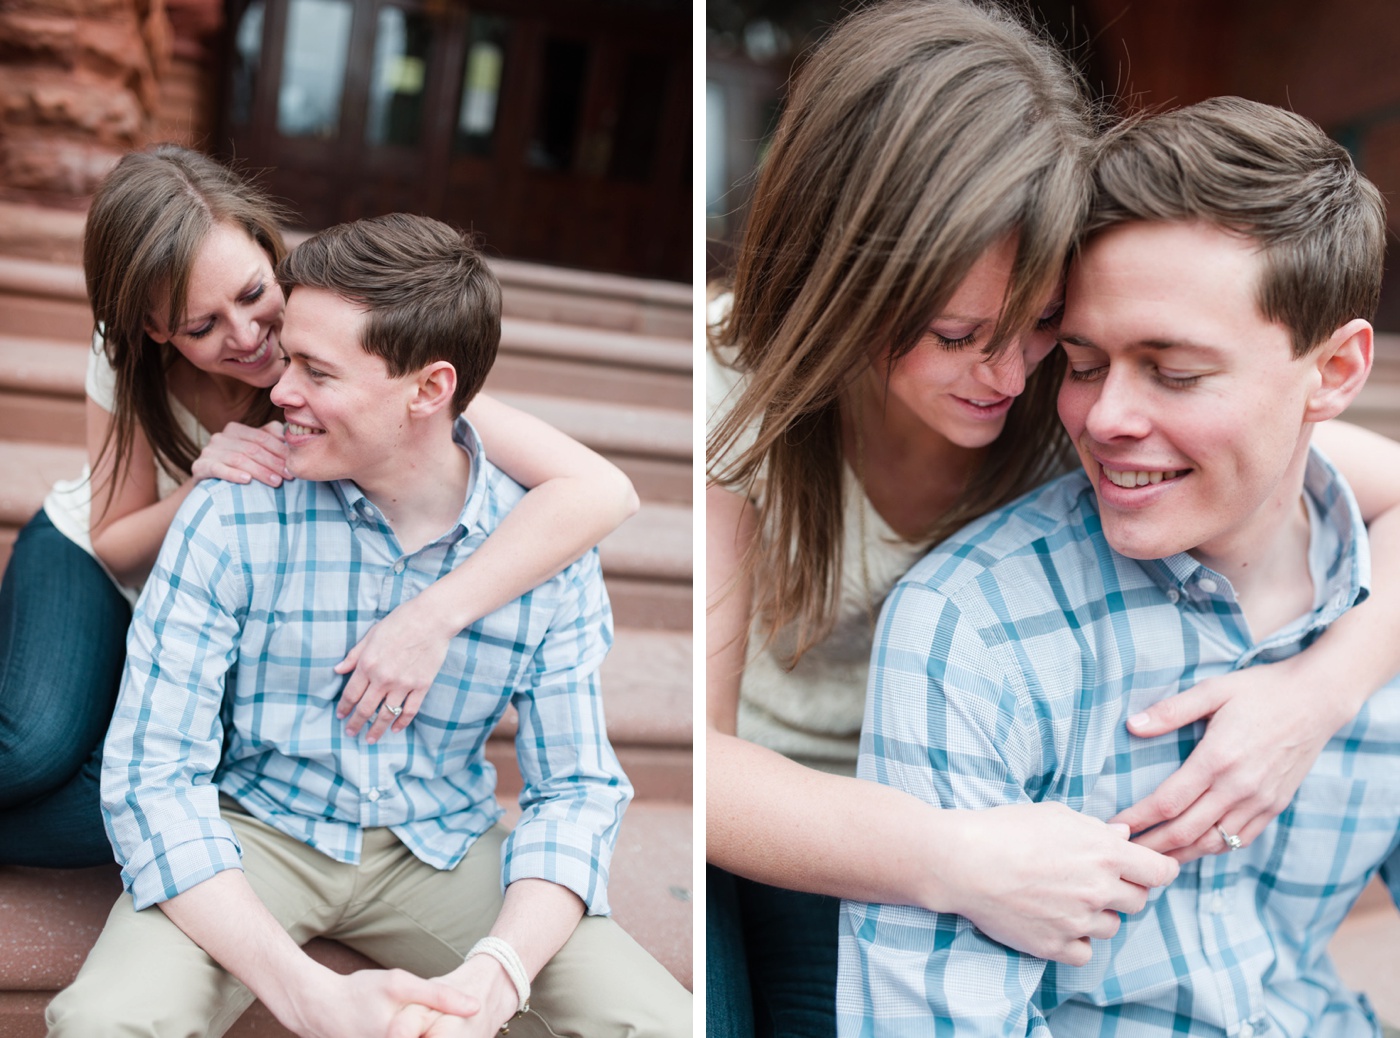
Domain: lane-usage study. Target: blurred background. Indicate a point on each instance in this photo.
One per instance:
(561, 132)
(1334, 61)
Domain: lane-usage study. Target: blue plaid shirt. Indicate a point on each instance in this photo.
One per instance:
(229, 687)
(1004, 668)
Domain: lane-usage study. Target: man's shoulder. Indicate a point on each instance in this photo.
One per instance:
(253, 503)
(501, 494)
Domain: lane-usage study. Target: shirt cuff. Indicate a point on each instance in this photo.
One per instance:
(177, 859)
(572, 856)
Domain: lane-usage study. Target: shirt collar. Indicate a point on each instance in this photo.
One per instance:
(359, 508)
(1339, 553)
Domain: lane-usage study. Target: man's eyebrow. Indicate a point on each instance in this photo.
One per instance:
(313, 360)
(1149, 344)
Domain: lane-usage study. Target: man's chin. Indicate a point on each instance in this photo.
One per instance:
(1142, 545)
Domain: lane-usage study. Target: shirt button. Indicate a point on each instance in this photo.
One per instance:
(398, 566)
(1246, 1030)
(372, 795)
(1209, 586)
(1173, 595)
(1217, 905)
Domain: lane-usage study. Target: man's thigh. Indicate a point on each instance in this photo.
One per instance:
(601, 983)
(144, 976)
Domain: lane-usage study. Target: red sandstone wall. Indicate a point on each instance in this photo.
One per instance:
(82, 81)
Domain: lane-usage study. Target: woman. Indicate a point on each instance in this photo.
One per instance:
(179, 254)
(881, 374)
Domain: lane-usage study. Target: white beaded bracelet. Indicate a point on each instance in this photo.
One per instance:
(502, 952)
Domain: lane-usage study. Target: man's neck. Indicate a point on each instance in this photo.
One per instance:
(422, 494)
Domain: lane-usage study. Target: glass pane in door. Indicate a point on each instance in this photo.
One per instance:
(313, 68)
(565, 71)
(247, 59)
(487, 37)
(397, 79)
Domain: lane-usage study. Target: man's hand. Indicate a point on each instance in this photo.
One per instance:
(393, 665)
(369, 1004)
(482, 977)
(1265, 731)
(225, 917)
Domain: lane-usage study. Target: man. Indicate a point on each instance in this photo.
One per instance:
(1216, 314)
(235, 801)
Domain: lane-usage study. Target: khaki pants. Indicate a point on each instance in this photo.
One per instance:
(144, 976)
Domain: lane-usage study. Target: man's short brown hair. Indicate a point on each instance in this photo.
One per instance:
(428, 290)
(1266, 174)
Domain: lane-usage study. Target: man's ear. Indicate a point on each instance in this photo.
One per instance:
(435, 385)
(1343, 363)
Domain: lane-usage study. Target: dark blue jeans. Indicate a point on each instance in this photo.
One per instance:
(770, 960)
(62, 645)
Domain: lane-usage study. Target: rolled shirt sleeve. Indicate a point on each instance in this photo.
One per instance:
(159, 801)
(574, 790)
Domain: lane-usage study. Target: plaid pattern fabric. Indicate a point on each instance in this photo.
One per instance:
(257, 594)
(1005, 666)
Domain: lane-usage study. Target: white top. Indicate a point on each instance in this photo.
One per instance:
(813, 712)
(69, 504)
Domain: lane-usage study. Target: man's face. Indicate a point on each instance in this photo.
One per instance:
(1185, 405)
(344, 413)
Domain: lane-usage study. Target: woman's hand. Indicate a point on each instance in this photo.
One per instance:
(1266, 729)
(393, 665)
(1044, 879)
(241, 454)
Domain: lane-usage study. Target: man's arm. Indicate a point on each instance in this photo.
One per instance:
(536, 920)
(574, 791)
(224, 916)
(943, 723)
(555, 862)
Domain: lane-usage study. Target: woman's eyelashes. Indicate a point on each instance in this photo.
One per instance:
(955, 337)
(247, 298)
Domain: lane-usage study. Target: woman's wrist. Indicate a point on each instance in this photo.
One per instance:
(1334, 688)
(938, 881)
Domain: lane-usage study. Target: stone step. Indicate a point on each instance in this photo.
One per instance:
(647, 559)
(1377, 406)
(41, 399)
(44, 297)
(50, 918)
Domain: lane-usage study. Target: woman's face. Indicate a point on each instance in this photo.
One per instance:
(946, 383)
(233, 312)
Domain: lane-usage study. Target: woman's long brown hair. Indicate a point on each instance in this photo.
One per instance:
(144, 229)
(918, 135)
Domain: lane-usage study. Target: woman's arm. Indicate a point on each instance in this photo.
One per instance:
(1038, 877)
(129, 518)
(576, 499)
(1268, 723)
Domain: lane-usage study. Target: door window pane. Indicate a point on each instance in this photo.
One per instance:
(247, 57)
(396, 85)
(555, 136)
(313, 68)
(644, 86)
(481, 84)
